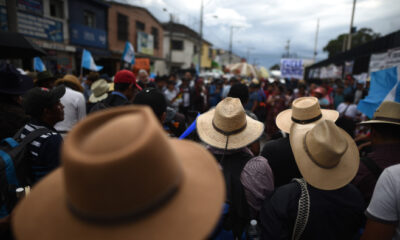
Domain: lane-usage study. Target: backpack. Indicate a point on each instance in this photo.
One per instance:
(346, 123)
(15, 167)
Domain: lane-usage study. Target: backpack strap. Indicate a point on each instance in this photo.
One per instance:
(33, 135)
(372, 166)
(303, 210)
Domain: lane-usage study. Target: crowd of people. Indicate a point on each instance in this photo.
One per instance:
(269, 159)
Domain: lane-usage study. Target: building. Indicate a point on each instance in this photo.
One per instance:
(224, 58)
(44, 22)
(138, 26)
(88, 30)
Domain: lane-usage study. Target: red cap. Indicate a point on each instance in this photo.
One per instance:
(126, 76)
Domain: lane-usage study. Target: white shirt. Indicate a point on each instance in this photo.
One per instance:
(74, 109)
(351, 111)
(385, 203)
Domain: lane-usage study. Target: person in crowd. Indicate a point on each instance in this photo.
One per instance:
(300, 91)
(12, 86)
(199, 96)
(320, 93)
(100, 90)
(45, 79)
(228, 83)
(186, 93)
(241, 91)
(360, 92)
(323, 204)
(73, 101)
(125, 89)
(161, 83)
(144, 80)
(227, 130)
(304, 111)
(189, 78)
(384, 210)
(349, 115)
(118, 195)
(276, 103)
(172, 95)
(155, 100)
(215, 93)
(254, 98)
(349, 85)
(91, 78)
(385, 141)
(45, 109)
(338, 97)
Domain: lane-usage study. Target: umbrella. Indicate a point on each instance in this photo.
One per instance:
(15, 45)
(244, 69)
(263, 72)
(276, 73)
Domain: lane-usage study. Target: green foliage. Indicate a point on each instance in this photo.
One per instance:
(362, 36)
(275, 67)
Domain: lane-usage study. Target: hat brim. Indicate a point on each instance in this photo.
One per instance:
(57, 93)
(26, 83)
(377, 122)
(325, 179)
(94, 99)
(191, 214)
(212, 137)
(284, 118)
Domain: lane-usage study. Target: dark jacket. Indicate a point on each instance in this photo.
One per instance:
(336, 214)
(232, 165)
(281, 160)
(12, 118)
(113, 100)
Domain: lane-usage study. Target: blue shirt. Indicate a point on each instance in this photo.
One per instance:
(120, 94)
(254, 96)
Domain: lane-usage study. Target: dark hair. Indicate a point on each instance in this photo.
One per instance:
(390, 131)
(93, 76)
(152, 98)
(120, 87)
(170, 83)
(349, 98)
(240, 91)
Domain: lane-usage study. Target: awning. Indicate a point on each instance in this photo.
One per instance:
(15, 45)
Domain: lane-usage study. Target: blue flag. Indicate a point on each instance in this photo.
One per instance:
(384, 87)
(38, 65)
(88, 62)
(129, 53)
(190, 129)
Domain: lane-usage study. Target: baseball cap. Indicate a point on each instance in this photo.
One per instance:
(126, 76)
(38, 98)
(152, 98)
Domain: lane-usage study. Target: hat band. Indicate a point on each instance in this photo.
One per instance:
(307, 121)
(396, 120)
(231, 132)
(313, 159)
(126, 217)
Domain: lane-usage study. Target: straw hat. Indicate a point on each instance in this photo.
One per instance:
(326, 155)
(99, 91)
(388, 112)
(227, 126)
(305, 110)
(123, 178)
(69, 78)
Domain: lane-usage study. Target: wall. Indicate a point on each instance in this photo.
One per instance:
(205, 59)
(183, 58)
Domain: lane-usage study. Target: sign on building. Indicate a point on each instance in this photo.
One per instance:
(87, 36)
(377, 62)
(292, 68)
(145, 43)
(393, 58)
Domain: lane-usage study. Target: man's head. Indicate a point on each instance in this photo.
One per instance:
(44, 104)
(143, 76)
(92, 77)
(45, 79)
(349, 98)
(188, 76)
(125, 83)
(154, 99)
(161, 82)
(240, 91)
(385, 133)
(339, 90)
(170, 85)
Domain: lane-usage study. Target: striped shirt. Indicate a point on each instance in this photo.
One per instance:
(44, 150)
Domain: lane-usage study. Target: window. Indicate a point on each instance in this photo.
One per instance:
(140, 26)
(195, 49)
(57, 8)
(177, 45)
(122, 25)
(154, 32)
(210, 53)
(90, 18)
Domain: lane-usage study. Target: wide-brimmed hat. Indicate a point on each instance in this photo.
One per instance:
(227, 126)
(388, 113)
(122, 177)
(69, 78)
(12, 81)
(305, 110)
(326, 155)
(45, 76)
(99, 91)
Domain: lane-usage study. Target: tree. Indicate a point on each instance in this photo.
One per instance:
(364, 35)
(275, 67)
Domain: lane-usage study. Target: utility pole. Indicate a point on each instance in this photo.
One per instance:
(351, 26)
(316, 41)
(170, 44)
(287, 48)
(230, 45)
(201, 35)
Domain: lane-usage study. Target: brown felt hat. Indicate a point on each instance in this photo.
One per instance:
(387, 113)
(305, 110)
(326, 155)
(121, 181)
(69, 78)
(228, 126)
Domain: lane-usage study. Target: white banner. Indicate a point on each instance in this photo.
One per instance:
(393, 58)
(377, 62)
(292, 68)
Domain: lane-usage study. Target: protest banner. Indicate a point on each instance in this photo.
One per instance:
(292, 68)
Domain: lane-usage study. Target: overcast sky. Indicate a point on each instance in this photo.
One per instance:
(262, 27)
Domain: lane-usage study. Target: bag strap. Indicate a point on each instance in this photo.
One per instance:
(345, 110)
(303, 210)
(372, 166)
